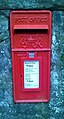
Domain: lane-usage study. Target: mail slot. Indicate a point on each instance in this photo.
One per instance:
(31, 48)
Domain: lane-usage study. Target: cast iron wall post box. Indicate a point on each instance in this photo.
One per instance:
(31, 48)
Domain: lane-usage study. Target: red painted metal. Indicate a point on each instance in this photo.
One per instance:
(31, 47)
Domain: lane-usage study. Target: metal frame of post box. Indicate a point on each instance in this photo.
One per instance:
(25, 24)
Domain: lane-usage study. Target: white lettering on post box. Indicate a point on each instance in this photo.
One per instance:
(31, 74)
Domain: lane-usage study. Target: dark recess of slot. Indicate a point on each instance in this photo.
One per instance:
(30, 31)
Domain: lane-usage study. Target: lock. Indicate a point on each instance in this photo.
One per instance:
(31, 48)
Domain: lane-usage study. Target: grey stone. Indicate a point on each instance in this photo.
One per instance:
(32, 4)
(57, 79)
(4, 33)
(25, 4)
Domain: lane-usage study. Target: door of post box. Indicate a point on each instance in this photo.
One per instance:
(31, 48)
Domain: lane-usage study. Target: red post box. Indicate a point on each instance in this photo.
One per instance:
(31, 48)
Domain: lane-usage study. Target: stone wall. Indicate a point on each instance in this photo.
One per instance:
(54, 109)
(32, 4)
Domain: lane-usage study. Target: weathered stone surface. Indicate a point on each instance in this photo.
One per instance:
(32, 4)
(4, 28)
(56, 103)
(25, 4)
(54, 109)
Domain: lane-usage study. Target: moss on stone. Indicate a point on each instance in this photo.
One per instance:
(62, 57)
